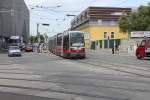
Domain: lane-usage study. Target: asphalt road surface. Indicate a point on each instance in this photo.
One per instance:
(101, 76)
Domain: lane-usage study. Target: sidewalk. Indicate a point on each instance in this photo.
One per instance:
(109, 51)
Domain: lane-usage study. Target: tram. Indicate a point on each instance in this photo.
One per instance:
(69, 44)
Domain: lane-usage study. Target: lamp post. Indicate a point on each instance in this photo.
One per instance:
(38, 34)
(42, 7)
(69, 15)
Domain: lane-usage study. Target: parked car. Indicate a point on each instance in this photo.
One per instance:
(14, 51)
(29, 48)
(143, 49)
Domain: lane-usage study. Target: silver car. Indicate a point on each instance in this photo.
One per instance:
(14, 51)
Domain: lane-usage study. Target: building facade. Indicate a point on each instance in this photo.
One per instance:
(14, 20)
(135, 40)
(100, 25)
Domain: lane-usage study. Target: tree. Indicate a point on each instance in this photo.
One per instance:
(137, 21)
(42, 40)
(32, 39)
(46, 37)
(36, 39)
(125, 24)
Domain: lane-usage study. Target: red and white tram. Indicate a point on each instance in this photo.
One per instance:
(69, 44)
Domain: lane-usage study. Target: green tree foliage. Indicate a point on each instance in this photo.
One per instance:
(125, 24)
(137, 21)
(34, 39)
(42, 40)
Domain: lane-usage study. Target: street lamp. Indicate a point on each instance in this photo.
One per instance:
(45, 24)
(70, 15)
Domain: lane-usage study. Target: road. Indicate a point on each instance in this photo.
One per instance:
(101, 76)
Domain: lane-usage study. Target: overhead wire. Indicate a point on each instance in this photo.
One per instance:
(124, 1)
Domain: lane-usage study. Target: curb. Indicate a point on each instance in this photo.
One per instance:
(3, 51)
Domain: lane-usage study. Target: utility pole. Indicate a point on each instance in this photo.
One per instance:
(38, 33)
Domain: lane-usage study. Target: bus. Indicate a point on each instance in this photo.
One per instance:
(16, 41)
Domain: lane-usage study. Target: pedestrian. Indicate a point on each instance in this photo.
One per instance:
(113, 50)
(38, 48)
(116, 49)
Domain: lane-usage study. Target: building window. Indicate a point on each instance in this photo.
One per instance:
(85, 15)
(105, 35)
(77, 20)
(81, 18)
(73, 23)
(112, 35)
(109, 22)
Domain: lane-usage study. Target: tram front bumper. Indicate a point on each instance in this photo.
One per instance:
(76, 55)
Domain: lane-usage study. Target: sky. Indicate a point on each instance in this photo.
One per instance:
(53, 12)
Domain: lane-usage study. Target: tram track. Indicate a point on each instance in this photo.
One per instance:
(112, 67)
(121, 68)
(131, 66)
(66, 91)
(71, 83)
(127, 59)
(126, 79)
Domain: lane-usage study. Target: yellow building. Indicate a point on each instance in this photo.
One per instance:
(100, 25)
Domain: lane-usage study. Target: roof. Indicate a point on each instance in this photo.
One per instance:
(100, 13)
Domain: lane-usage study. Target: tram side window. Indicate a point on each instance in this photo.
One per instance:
(149, 42)
(55, 42)
(59, 41)
(66, 42)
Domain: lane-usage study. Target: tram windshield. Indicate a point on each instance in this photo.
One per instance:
(77, 41)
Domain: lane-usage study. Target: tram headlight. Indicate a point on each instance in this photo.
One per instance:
(83, 49)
